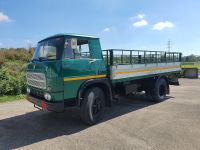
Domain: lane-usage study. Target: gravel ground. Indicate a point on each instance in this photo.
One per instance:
(133, 123)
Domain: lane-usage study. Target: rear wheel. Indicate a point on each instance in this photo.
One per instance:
(159, 93)
(93, 105)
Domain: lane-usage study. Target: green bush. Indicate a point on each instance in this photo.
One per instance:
(12, 71)
(12, 82)
(2, 58)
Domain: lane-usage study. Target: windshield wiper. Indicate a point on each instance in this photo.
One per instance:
(34, 59)
(42, 58)
(53, 55)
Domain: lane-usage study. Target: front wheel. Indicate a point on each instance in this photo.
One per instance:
(93, 106)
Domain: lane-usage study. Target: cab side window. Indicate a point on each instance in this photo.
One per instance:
(82, 50)
(77, 49)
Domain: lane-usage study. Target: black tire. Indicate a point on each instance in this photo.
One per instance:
(159, 92)
(93, 106)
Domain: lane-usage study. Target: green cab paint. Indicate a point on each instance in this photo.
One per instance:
(62, 68)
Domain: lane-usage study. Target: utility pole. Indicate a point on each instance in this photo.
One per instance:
(169, 45)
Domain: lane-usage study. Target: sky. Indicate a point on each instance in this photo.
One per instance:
(121, 24)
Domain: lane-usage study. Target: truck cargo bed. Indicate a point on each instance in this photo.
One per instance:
(137, 64)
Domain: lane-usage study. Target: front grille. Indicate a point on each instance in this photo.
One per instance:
(37, 80)
(37, 93)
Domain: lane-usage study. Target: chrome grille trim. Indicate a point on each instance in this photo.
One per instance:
(37, 80)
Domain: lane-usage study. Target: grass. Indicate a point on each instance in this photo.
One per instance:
(191, 66)
(7, 98)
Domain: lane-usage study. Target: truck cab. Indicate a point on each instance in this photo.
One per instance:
(60, 65)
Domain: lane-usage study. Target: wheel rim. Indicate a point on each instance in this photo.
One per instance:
(97, 106)
(162, 91)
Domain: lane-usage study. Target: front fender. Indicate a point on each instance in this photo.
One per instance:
(102, 83)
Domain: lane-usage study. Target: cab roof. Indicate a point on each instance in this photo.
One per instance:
(69, 35)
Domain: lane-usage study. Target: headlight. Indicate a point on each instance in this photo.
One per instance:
(28, 90)
(47, 96)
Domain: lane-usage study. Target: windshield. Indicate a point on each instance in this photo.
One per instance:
(49, 49)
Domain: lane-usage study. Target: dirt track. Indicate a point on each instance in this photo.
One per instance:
(134, 123)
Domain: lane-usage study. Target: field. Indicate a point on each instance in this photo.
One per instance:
(8, 98)
(191, 65)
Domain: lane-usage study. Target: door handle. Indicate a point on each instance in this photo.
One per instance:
(91, 61)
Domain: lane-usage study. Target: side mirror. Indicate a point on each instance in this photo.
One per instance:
(71, 44)
(74, 44)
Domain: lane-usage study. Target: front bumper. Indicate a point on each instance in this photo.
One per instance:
(56, 106)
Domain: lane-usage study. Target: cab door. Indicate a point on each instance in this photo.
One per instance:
(78, 65)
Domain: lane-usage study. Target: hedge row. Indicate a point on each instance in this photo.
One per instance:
(12, 70)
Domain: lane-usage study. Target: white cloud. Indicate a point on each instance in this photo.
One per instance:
(106, 30)
(162, 25)
(140, 23)
(1, 44)
(140, 16)
(4, 18)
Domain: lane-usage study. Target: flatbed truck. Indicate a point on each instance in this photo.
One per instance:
(72, 70)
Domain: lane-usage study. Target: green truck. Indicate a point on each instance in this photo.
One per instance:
(72, 70)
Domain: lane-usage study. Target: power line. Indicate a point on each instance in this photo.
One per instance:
(169, 45)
